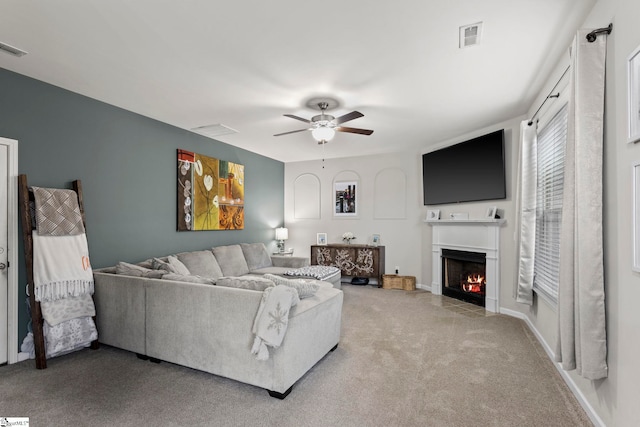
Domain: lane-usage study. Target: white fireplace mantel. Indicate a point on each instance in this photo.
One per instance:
(472, 235)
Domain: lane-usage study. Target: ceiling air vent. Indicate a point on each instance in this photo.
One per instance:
(470, 35)
(214, 130)
(11, 50)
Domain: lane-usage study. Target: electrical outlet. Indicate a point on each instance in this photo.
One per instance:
(397, 269)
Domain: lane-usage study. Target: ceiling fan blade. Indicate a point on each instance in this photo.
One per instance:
(354, 130)
(349, 116)
(297, 118)
(293, 131)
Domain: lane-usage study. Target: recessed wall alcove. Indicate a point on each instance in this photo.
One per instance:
(306, 197)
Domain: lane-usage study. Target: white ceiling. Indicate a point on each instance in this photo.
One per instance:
(246, 63)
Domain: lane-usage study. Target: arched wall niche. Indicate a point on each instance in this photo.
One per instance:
(390, 194)
(306, 197)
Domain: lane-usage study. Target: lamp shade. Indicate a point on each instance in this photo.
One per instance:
(323, 133)
(282, 233)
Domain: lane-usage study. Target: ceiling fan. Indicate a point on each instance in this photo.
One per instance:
(324, 126)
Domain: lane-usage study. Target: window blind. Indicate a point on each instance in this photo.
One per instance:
(551, 147)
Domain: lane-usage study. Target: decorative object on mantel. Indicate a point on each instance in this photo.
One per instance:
(459, 215)
(348, 237)
(491, 212)
(210, 193)
(433, 214)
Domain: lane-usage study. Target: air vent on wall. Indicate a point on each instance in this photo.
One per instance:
(470, 34)
(214, 130)
(11, 50)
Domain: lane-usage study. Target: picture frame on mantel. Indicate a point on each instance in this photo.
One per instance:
(633, 94)
(433, 214)
(491, 212)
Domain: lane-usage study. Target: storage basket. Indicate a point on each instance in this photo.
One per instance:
(393, 281)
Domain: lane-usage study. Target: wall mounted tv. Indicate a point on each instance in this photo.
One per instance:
(465, 172)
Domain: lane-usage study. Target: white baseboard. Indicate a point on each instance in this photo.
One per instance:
(423, 287)
(591, 413)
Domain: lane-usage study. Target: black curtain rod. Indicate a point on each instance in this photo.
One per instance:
(593, 35)
(551, 95)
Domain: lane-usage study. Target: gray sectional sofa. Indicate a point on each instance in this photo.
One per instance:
(194, 321)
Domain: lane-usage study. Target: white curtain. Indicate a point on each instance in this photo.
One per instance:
(582, 342)
(528, 180)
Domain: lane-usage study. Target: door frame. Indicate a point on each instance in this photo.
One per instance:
(12, 249)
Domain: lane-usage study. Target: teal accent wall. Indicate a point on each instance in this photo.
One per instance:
(128, 167)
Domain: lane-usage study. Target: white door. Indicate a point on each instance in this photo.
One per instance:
(8, 251)
(4, 227)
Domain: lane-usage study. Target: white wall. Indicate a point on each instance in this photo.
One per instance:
(614, 401)
(401, 236)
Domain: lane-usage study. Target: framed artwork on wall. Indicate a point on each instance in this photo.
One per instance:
(433, 214)
(633, 94)
(210, 193)
(345, 199)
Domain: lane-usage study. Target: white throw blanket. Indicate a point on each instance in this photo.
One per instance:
(272, 319)
(61, 267)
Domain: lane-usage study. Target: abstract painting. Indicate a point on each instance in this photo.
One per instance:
(210, 193)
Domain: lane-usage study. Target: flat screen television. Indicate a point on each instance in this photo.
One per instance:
(465, 172)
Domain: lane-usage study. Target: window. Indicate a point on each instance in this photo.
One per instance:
(551, 147)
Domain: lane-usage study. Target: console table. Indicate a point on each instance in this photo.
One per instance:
(352, 260)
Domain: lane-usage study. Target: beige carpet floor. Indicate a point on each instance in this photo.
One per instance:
(404, 359)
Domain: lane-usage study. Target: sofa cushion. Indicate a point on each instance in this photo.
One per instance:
(305, 288)
(178, 265)
(189, 278)
(231, 260)
(137, 271)
(256, 255)
(254, 283)
(201, 263)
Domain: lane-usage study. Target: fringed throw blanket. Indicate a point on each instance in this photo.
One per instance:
(272, 319)
(320, 272)
(57, 212)
(61, 267)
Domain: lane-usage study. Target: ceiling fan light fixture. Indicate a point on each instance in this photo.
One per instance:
(323, 133)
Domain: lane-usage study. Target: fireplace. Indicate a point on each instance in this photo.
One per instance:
(464, 275)
(471, 235)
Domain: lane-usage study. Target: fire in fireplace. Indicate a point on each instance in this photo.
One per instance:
(464, 275)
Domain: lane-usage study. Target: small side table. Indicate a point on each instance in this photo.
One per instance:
(285, 253)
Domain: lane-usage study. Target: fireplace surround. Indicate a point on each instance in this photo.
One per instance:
(472, 236)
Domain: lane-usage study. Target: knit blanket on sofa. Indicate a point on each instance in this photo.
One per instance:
(319, 272)
(272, 319)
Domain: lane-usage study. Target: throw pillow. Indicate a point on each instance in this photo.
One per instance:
(159, 264)
(305, 289)
(178, 266)
(137, 271)
(231, 260)
(256, 255)
(201, 263)
(253, 283)
(189, 278)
